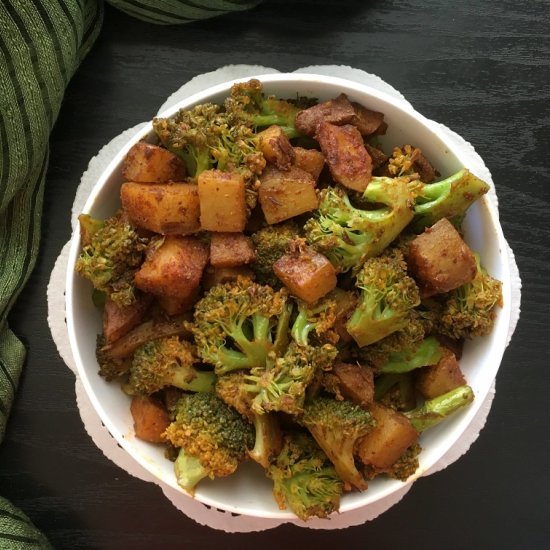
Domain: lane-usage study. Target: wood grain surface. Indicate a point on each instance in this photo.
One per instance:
(480, 67)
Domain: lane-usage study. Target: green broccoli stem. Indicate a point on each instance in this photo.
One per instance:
(189, 471)
(439, 408)
(427, 353)
(280, 341)
(191, 379)
(301, 328)
(263, 121)
(368, 324)
(449, 198)
(268, 439)
(250, 353)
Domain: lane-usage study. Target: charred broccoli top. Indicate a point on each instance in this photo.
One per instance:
(167, 362)
(469, 311)
(304, 479)
(249, 105)
(111, 253)
(271, 243)
(212, 437)
(337, 426)
(387, 296)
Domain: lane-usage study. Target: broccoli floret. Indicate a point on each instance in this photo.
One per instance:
(304, 479)
(337, 426)
(271, 243)
(347, 235)
(167, 362)
(247, 103)
(448, 198)
(406, 465)
(318, 318)
(387, 296)
(235, 323)
(407, 338)
(109, 367)
(427, 352)
(408, 161)
(469, 311)
(111, 253)
(212, 436)
(207, 137)
(268, 437)
(281, 385)
(433, 411)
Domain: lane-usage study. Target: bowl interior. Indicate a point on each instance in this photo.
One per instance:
(249, 491)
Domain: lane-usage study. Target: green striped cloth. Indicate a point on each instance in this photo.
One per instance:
(42, 43)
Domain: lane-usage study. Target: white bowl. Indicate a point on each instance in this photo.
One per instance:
(248, 491)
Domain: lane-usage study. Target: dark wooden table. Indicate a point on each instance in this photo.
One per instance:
(483, 69)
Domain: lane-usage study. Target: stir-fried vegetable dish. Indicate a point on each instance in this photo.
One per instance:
(276, 287)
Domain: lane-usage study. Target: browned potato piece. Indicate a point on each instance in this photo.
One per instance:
(307, 274)
(285, 194)
(231, 249)
(440, 378)
(146, 163)
(346, 155)
(163, 208)
(222, 201)
(276, 147)
(150, 418)
(368, 122)
(423, 166)
(440, 260)
(346, 302)
(355, 382)
(309, 160)
(336, 111)
(174, 269)
(117, 321)
(125, 346)
(391, 437)
(174, 305)
(378, 157)
(217, 275)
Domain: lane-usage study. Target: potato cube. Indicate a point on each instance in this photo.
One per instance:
(150, 418)
(347, 158)
(346, 302)
(285, 194)
(307, 274)
(336, 111)
(147, 163)
(169, 208)
(440, 378)
(174, 269)
(440, 260)
(309, 160)
(174, 305)
(222, 201)
(218, 275)
(355, 382)
(231, 249)
(368, 122)
(276, 147)
(388, 440)
(117, 321)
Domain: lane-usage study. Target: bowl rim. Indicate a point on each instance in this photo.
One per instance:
(467, 415)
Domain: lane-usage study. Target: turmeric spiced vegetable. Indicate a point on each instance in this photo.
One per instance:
(264, 301)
